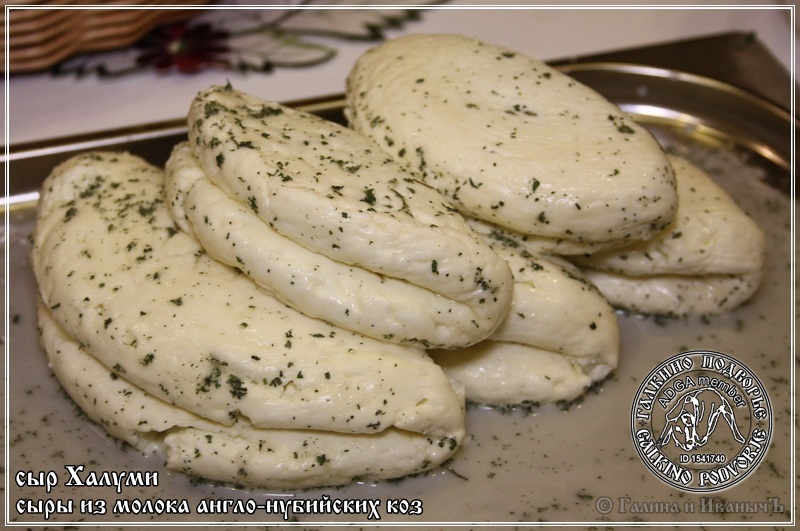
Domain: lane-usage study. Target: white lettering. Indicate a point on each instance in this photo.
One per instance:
(48, 480)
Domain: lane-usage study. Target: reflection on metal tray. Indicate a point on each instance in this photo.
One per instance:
(739, 59)
(670, 102)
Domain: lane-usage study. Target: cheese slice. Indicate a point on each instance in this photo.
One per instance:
(560, 337)
(710, 259)
(322, 218)
(146, 301)
(237, 453)
(513, 142)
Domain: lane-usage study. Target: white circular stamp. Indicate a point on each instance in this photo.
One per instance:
(701, 421)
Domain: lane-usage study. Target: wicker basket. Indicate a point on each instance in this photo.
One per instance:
(41, 37)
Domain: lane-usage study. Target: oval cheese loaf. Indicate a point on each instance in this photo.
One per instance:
(560, 337)
(333, 226)
(237, 453)
(512, 141)
(146, 301)
(709, 260)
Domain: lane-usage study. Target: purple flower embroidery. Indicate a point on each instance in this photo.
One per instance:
(242, 40)
(183, 47)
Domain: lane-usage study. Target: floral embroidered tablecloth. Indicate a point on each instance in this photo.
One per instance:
(245, 38)
(267, 51)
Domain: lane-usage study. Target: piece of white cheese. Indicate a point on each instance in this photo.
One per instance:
(332, 225)
(349, 296)
(512, 141)
(710, 259)
(146, 301)
(237, 453)
(560, 337)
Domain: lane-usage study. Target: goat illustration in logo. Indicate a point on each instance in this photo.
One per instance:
(686, 420)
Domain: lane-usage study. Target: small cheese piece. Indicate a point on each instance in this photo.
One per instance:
(240, 453)
(395, 261)
(560, 337)
(145, 300)
(512, 141)
(709, 260)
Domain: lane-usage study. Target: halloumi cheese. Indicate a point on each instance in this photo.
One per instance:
(513, 142)
(143, 299)
(237, 453)
(710, 259)
(560, 337)
(331, 225)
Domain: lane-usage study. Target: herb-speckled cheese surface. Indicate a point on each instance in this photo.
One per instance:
(144, 300)
(709, 260)
(239, 453)
(512, 141)
(333, 226)
(560, 337)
